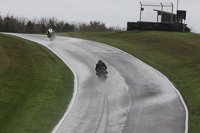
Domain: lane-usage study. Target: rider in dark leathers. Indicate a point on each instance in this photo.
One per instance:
(100, 66)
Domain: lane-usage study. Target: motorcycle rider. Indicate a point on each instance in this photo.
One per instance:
(100, 66)
(50, 31)
(51, 34)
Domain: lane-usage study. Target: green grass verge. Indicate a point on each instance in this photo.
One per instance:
(35, 87)
(177, 55)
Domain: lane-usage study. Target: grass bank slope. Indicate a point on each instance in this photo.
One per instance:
(35, 87)
(177, 55)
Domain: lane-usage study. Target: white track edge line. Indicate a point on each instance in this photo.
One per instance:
(55, 129)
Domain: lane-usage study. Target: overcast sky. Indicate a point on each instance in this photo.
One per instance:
(111, 12)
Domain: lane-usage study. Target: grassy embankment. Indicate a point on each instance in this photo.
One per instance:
(35, 87)
(177, 55)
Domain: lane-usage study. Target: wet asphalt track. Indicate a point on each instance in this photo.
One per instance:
(134, 99)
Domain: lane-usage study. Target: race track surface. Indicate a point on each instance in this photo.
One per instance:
(134, 99)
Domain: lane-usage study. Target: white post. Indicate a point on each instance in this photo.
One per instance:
(172, 13)
(161, 12)
(140, 11)
(177, 5)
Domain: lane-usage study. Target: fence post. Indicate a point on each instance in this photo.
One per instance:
(140, 11)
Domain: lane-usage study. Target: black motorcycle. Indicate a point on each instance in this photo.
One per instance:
(102, 75)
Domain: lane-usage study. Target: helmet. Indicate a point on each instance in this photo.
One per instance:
(100, 61)
(50, 30)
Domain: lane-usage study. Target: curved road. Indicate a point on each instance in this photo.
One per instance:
(134, 99)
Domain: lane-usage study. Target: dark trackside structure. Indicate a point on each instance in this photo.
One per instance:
(163, 20)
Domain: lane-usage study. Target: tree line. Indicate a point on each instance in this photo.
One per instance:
(14, 24)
